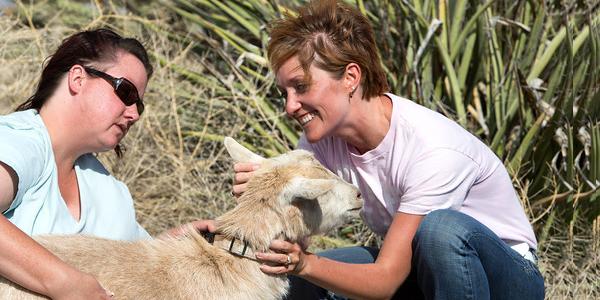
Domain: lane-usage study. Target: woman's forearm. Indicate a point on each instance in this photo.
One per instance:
(357, 281)
(28, 264)
(378, 280)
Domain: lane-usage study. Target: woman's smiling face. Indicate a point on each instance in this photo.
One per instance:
(319, 106)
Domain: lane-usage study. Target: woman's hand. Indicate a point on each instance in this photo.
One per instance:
(82, 286)
(243, 173)
(290, 258)
(199, 226)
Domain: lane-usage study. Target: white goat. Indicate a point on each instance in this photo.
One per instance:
(289, 197)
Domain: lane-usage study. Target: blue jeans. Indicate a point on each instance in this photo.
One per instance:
(454, 257)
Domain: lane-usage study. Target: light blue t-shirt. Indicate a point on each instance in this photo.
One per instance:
(106, 205)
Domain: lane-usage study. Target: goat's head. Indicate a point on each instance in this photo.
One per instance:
(290, 196)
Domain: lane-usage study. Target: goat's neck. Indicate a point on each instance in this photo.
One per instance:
(256, 225)
(234, 246)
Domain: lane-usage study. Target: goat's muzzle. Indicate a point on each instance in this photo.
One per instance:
(359, 198)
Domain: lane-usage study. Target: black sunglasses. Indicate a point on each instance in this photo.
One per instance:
(124, 88)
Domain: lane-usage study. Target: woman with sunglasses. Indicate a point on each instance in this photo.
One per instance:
(88, 97)
(452, 224)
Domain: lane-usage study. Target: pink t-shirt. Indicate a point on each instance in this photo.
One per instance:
(427, 162)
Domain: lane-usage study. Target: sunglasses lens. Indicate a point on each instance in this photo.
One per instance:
(129, 95)
(124, 88)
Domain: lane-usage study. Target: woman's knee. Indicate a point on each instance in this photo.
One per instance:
(438, 224)
(441, 231)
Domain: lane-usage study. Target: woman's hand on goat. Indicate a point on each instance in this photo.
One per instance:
(183, 230)
(289, 258)
(243, 173)
(79, 285)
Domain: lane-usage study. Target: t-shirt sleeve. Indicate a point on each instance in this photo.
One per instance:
(440, 179)
(22, 150)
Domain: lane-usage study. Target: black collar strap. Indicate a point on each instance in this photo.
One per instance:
(232, 245)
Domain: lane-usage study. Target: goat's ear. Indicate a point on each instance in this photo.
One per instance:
(240, 153)
(307, 188)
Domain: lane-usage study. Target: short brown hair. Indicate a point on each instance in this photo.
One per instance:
(331, 35)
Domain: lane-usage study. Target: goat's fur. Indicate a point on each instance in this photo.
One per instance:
(289, 197)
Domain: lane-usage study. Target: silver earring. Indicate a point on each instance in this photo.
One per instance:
(352, 93)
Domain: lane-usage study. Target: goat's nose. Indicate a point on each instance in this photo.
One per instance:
(359, 195)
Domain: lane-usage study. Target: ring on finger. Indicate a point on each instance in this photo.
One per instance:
(289, 260)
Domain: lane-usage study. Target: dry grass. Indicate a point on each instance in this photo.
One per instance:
(175, 165)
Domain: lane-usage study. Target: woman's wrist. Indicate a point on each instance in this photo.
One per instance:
(306, 264)
(55, 285)
(64, 281)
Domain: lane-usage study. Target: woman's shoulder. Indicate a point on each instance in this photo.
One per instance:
(24, 132)
(412, 120)
(24, 137)
(423, 132)
(419, 116)
(22, 120)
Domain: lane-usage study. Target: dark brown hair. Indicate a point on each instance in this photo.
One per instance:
(331, 35)
(84, 48)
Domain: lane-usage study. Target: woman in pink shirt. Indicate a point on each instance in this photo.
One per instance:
(453, 225)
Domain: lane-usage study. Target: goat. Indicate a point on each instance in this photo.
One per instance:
(290, 197)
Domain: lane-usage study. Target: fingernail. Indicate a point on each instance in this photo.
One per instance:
(259, 255)
(254, 168)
